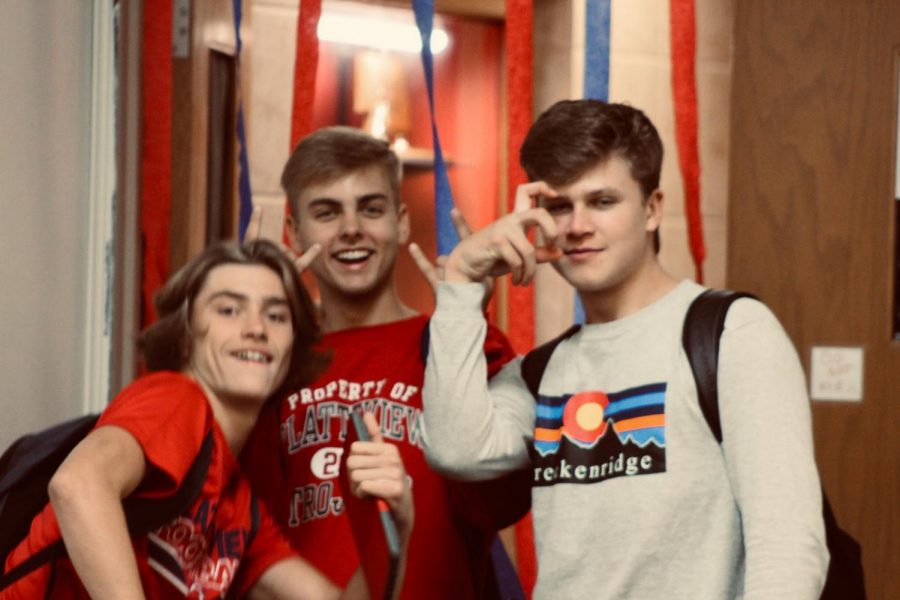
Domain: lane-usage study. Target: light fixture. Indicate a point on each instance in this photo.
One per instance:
(377, 33)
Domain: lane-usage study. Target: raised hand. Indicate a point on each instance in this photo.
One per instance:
(503, 246)
(374, 468)
(435, 272)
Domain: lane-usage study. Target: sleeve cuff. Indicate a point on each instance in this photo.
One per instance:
(459, 297)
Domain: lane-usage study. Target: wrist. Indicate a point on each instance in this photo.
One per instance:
(454, 271)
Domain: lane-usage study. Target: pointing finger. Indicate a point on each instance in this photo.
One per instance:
(423, 264)
(254, 225)
(459, 222)
(302, 262)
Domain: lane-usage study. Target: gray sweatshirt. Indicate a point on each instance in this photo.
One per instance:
(632, 496)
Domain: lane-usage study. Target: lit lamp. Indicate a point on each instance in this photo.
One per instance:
(379, 81)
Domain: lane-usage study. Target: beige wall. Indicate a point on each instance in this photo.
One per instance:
(269, 64)
(45, 75)
(640, 74)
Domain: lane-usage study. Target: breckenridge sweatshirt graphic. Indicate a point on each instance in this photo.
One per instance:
(593, 436)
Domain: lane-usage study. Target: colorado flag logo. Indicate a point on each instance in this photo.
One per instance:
(592, 436)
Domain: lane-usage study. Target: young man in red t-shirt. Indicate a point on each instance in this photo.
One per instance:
(235, 327)
(344, 190)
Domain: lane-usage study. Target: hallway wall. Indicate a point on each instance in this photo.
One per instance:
(44, 128)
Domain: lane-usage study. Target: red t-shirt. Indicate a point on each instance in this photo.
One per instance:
(202, 553)
(296, 472)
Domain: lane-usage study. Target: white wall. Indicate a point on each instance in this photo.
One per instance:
(44, 159)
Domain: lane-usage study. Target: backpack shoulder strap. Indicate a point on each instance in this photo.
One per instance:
(141, 514)
(424, 341)
(700, 337)
(535, 362)
(254, 517)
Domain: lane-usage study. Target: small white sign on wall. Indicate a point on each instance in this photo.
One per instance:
(836, 373)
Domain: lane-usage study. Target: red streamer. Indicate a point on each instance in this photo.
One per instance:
(305, 66)
(684, 90)
(520, 330)
(156, 148)
(519, 97)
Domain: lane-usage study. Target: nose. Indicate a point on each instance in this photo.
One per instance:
(254, 326)
(579, 224)
(350, 225)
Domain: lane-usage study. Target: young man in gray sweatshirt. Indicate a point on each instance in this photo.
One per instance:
(632, 496)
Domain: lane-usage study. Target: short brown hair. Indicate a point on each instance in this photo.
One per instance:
(333, 152)
(166, 344)
(573, 136)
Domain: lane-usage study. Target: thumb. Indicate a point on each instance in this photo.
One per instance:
(372, 426)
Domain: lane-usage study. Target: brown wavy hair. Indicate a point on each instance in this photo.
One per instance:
(167, 343)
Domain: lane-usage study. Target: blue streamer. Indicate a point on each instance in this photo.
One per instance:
(596, 49)
(596, 73)
(443, 196)
(246, 198)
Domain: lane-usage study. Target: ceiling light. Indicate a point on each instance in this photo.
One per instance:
(377, 33)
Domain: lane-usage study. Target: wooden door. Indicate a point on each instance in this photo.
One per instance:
(812, 228)
(203, 88)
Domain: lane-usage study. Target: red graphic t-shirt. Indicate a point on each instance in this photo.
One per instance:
(379, 369)
(202, 553)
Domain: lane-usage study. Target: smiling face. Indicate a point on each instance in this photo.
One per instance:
(607, 226)
(242, 333)
(360, 226)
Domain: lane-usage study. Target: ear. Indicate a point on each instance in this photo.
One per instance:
(402, 223)
(291, 227)
(653, 210)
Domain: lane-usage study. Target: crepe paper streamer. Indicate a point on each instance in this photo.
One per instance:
(447, 237)
(244, 194)
(518, 36)
(684, 90)
(520, 323)
(156, 148)
(306, 63)
(596, 73)
(596, 49)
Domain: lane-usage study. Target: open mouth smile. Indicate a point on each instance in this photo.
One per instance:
(254, 356)
(352, 257)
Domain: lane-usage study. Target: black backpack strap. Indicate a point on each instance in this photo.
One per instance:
(424, 341)
(254, 517)
(141, 514)
(703, 327)
(43, 556)
(700, 337)
(144, 515)
(535, 362)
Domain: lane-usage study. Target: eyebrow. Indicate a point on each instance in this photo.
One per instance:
(267, 301)
(372, 196)
(363, 198)
(611, 191)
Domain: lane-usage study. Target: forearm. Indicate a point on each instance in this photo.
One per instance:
(471, 431)
(293, 579)
(92, 522)
(769, 453)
